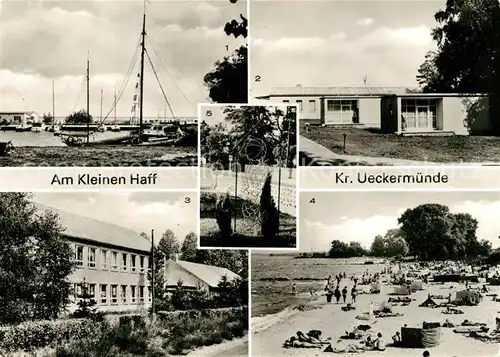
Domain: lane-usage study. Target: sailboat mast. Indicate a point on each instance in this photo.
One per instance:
(143, 48)
(53, 106)
(114, 109)
(101, 106)
(88, 98)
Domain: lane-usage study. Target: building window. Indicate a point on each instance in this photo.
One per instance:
(141, 293)
(150, 294)
(91, 259)
(104, 292)
(79, 255)
(92, 291)
(141, 263)
(312, 106)
(299, 102)
(115, 260)
(124, 294)
(114, 294)
(104, 259)
(132, 262)
(132, 292)
(77, 290)
(124, 261)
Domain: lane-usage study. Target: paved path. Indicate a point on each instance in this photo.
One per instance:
(314, 154)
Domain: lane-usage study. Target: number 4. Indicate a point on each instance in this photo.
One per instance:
(313, 200)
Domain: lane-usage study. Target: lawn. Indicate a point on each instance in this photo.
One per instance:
(247, 233)
(445, 149)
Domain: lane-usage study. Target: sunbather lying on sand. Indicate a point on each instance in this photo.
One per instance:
(452, 311)
(469, 329)
(348, 349)
(310, 340)
(388, 314)
(348, 307)
(470, 323)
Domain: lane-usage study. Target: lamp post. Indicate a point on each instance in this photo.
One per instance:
(291, 112)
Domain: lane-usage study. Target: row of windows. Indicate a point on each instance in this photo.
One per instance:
(311, 108)
(119, 261)
(108, 294)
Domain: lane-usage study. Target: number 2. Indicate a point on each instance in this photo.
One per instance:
(257, 78)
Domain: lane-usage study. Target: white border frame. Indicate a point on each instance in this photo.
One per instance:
(297, 174)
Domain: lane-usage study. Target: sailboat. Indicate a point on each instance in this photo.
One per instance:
(139, 135)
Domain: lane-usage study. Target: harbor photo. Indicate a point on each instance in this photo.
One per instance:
(383, 274)
(113, 84)
(116, 274)
(248, 176)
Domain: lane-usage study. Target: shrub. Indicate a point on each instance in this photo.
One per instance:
(269, 215)
(39, 334)
(223, 215)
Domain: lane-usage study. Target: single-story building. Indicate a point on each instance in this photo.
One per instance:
(398, 110)
(194, 275)
(19, 118)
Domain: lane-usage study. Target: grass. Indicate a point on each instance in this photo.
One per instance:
(444, 149)
(247, 234)
(98, 156)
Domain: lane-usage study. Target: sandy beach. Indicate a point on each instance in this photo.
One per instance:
(272, 330)
(235, 348)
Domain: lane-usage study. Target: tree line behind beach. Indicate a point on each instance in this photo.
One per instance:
(426, 232)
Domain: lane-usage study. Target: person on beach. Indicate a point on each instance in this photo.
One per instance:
(337, 294)
(354, 292)
(339, 278)
(344, 294)
(396, 339)
(378, 343)
(294, 289)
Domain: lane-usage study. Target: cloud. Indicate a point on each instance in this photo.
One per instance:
(388, 56)
(317, 236)
(131, 210)
(367, 21)
(48, 41)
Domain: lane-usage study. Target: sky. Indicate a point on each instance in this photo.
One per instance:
(360, 216)
(140, 211)
(337, 43)
(44, 41)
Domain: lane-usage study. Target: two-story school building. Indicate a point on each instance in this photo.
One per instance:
(399, 110)
(113, 261)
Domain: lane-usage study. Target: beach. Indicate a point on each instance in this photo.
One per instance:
(271, 330)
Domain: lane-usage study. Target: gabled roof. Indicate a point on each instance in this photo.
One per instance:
(80, 227)
(209, 274)
(337, 91)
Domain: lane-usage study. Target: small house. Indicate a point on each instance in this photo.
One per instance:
(194, 275)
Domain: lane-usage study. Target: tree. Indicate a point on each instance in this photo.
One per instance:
(214, 142)
(228, 81)
(234, 260)
(255, 131)
(269, 215)
(87, 306)
(378, 247)
(48, 119)
(236, 28)
(468, 58)
(189, 247)
(168, 244)
(35, 261)
(432, 232)
(79, 118)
